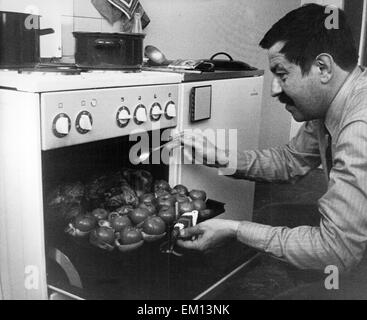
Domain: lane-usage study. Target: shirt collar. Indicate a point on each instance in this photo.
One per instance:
(335, 111)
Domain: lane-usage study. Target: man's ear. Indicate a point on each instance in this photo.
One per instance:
(325, 64)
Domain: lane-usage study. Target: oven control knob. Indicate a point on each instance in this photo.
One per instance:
(123, 117)
(61, 125)
(171, 110)
(156, 112)
(141, 115)
(84, 122)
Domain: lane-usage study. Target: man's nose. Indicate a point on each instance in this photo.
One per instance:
(276, 88)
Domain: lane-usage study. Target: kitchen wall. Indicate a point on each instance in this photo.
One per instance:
(190, 29)
(200, 28)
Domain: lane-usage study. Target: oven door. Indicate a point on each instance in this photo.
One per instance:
(78, 269)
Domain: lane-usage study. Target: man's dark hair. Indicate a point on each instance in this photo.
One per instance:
(305, 35)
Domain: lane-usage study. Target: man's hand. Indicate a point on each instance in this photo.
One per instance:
(208, 235)
(199, 150)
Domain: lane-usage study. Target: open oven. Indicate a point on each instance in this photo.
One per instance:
(60, 130)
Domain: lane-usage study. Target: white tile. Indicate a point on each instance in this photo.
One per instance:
(85, 8)
(50, 45)
(87, 24)
(67, 40)
(66, 7)
(68, 59)
(13, 6)
(107, 27)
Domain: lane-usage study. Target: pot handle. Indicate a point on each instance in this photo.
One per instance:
(43, 32)
(108, 43)
(222, 53)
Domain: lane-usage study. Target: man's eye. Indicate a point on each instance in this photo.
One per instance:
(282, 76)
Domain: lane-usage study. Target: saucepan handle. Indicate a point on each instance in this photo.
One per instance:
(108, 43)
(43, 32)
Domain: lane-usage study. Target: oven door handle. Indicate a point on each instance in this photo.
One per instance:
(64, 262)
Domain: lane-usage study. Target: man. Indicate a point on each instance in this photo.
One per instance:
(317, 77)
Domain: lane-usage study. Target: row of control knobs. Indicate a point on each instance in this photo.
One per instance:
(84, 121)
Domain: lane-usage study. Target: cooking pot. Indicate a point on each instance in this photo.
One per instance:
(228, 64)
(20, 39)
(100, 50)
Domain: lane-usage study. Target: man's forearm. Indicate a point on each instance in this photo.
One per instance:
(274, 165)
(286, 163)
(303, 247)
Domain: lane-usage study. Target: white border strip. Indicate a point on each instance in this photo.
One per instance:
(362, 43)
(228, 275)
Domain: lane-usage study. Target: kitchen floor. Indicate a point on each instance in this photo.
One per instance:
(271, 277)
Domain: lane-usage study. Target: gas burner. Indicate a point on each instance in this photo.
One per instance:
(53, 71)
(67, 69)
(49, 72)
(51, 68)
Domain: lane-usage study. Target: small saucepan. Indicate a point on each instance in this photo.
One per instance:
(20, 39)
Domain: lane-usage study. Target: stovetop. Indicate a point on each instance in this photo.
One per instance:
(66, 69)
(51, 77)
(64, 77)
(196, 75)
(63, 68)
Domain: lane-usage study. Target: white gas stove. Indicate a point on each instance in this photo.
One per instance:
(42, 111)
(52, 113)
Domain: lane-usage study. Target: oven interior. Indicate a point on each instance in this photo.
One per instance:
(92, 273)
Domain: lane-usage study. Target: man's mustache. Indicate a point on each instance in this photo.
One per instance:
(283, 98)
